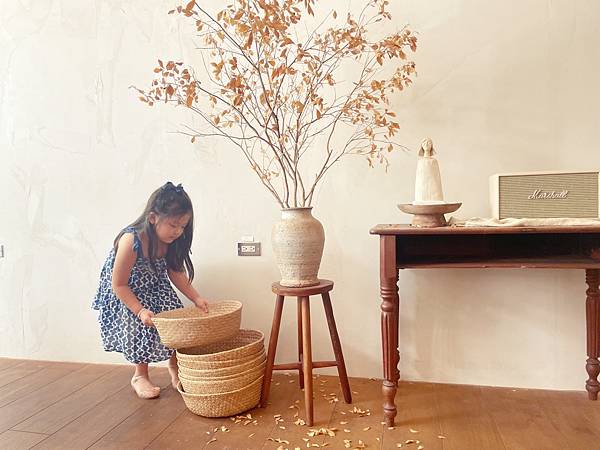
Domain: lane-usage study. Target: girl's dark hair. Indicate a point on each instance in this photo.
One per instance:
(170, 201)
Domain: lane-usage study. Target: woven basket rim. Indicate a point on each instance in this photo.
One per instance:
(182, 392)
(236, 303)
(254, 362)
(191, 377)
(220, 363)
(259, 336)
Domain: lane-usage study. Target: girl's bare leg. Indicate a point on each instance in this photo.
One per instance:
(173, 371)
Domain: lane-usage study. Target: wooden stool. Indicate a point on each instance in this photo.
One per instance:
(305, 363)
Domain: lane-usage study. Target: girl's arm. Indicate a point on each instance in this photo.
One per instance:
(182, 283)
(124, 262)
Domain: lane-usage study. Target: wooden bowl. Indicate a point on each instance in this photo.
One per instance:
(429, 216)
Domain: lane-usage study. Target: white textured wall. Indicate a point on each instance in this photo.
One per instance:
(502, 86)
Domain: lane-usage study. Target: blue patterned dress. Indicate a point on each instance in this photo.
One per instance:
(120, 329)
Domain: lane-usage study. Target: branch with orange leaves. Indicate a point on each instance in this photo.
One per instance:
(281, 92)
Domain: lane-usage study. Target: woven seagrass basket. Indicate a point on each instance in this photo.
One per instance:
(224, 404)
(221, 385)
(244, 343)
(223, 371)
(206, 365)
(190, 326)
(221, 377)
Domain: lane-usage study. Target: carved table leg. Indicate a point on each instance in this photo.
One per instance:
(395, 331)
(389, 326)
(592, 309)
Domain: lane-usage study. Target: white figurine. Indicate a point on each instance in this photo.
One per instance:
(428, 183)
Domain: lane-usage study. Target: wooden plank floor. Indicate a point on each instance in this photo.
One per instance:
(50, 405)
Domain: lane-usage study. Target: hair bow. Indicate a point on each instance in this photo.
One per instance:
(170, 186)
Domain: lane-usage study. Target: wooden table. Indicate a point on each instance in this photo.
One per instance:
(406, 247)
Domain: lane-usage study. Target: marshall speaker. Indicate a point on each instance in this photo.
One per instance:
(545, 194)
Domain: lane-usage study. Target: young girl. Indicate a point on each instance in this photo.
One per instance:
(135, 283)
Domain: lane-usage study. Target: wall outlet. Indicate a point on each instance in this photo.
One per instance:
(248, 248)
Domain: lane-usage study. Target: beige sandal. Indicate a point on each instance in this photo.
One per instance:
(148, 393)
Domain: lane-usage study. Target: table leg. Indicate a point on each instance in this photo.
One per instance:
(592, 309)
(389, 326)
(395, 335)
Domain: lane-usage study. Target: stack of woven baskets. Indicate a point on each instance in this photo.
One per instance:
(221, 366)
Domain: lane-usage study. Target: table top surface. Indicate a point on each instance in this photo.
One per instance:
(405, 229)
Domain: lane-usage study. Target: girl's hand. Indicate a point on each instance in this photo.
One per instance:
(145, 315)
(201, 303)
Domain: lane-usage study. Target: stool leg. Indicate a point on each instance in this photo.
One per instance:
(300, 371)
(307, 360)
(272, 349)
(337, 348)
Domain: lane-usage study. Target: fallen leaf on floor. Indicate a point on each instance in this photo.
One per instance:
(360, 412)
(321, 431)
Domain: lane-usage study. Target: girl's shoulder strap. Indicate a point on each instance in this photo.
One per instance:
(137, 242)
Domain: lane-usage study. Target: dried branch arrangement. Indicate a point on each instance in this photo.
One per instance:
(271, 93)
